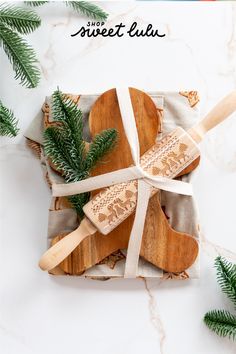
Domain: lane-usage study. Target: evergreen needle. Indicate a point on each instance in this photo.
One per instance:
(226, 277)
(19, 19)
(21, 56)
(8, 123)
(35, 3)
(222, 322)
(88, 9)
(101, 145)
(82, 7)
(65, 147)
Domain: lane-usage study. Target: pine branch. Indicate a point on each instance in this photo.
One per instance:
(8, 122)
(21, 55)
(221, 322)
(226, 277)
(58, 111)
(57, 150)
(101, 145)
(19, 19)
(66, 111)
(82, 7)
(88, 9)
(64, 145)
(35, 3)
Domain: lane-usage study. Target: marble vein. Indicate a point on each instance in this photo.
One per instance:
(154, 316)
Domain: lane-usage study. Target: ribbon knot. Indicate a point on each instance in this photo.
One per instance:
(146, 183)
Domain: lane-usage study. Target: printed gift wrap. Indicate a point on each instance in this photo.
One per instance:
(175, 109)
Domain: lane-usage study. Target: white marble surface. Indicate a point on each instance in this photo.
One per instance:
(42, 314)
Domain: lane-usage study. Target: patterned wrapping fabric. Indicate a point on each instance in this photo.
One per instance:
(176, 109)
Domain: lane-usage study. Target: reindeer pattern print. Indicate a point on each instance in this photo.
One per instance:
(167, 158)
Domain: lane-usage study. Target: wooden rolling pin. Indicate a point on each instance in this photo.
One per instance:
(162, 246)
(179, 145)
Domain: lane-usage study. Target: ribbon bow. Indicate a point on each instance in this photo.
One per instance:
(145, 183)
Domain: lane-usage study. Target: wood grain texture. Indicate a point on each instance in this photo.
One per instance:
(164, 247)
(161, 245)
(218, 114)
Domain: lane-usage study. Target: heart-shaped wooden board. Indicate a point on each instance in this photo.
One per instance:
(162, 246)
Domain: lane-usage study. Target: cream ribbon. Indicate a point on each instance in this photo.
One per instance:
(145, 183)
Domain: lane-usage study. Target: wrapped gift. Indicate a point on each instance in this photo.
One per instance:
(171, 217)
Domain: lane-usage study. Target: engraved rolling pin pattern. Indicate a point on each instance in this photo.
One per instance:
(114, 204)
(167, 158)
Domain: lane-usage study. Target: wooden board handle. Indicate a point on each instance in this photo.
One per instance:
(57, 253)
(217, 115)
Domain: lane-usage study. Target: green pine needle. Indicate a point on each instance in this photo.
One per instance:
(101, 145)
(35, 3)
(226, 277)
(21, 56)
(65, 147)
(88, 9)
(82, 7)
(19, 19)
(66, 111)
(58, 111)
(8, 123)
(57, 150)
(221, 322)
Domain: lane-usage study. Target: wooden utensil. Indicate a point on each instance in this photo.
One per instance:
(147, 123)
(106, 114)
(179, 143)
(162, 246)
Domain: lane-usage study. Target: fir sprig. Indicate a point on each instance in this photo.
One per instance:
(226, 277)
(8, 123)
(21, 56)
(102, 143)
(15, 21)
(65, 147)
(35, 3)
(57, 149)
(88, 9)
(222, 322)
(66, 111)
(82, 7)
(19, 19)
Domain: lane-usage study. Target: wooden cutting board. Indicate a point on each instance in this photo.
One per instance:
(161, 245)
